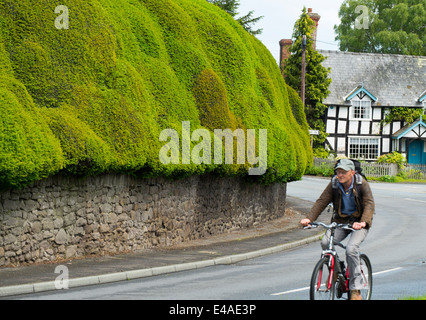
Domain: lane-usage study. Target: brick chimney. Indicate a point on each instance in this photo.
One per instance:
(315, 17)
(285, 45)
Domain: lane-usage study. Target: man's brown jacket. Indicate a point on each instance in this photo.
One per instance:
(363, 199)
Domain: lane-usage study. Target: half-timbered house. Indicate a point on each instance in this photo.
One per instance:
(364, 88)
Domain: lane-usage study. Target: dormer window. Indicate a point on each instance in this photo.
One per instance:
(361, 99)
(361, 110)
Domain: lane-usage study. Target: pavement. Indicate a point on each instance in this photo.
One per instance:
(273, 237)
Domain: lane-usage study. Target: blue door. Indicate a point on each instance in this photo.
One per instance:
(415, 152)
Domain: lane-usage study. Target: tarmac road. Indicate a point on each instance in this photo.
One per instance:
(395, 246)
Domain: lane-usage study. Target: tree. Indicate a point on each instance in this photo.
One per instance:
(383, 26)
(316, 79)
(247, 21)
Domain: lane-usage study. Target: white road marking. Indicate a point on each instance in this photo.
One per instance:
(386, 271)
(290, 291)
(307, 288)
(408, 199)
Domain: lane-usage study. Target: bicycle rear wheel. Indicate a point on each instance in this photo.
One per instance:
(366, 277)
(322, 281)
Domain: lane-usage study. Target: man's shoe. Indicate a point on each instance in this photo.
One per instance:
(356, 295)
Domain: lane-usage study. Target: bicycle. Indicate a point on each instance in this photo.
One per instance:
(330, 279)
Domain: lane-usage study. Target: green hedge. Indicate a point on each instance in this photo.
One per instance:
(94, 98)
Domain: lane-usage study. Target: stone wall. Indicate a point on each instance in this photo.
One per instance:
(63, 218)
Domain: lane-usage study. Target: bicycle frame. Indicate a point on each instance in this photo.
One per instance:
(334, 260)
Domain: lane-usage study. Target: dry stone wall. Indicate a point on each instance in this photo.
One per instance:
(62, 217)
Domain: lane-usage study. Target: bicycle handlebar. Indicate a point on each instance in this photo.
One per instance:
(330, 226)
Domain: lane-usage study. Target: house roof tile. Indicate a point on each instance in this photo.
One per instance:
(396, 80)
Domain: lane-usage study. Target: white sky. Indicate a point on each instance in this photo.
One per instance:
(280, 16)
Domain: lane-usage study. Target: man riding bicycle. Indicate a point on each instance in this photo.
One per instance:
(353, 203)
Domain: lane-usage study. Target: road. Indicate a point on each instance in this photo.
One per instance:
(395, 246)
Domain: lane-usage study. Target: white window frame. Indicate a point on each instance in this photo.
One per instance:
(364, 148)
(361, 110)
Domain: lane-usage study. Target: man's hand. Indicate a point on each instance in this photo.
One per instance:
(359, 225)
(305, 222)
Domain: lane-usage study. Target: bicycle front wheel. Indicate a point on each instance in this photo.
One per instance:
(322, 280)
(366, 277)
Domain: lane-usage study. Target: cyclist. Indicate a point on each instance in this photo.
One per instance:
(353, 203)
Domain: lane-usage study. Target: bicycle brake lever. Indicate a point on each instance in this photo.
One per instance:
(311, 226)
(349, 228)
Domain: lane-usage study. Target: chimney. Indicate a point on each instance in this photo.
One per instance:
(285, 45)
(315, 17)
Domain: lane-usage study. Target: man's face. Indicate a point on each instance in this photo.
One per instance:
(345, 177)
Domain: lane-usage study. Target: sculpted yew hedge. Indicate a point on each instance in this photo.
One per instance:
(95, 96)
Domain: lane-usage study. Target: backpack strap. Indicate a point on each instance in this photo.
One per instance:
(358, 178)
(334, 182)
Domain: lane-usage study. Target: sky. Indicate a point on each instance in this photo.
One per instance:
(280, 16)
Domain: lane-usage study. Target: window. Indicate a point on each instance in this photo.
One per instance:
(364, 148)
(361, 110)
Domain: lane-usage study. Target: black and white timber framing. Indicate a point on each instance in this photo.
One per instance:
(364, 88)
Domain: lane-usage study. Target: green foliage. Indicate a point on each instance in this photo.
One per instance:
(316, 79)
(297, 107)
(402, 114)
(247, 21)
(321, 170)
(29, 150)
(391, 26)
(393, 157)
(414, 297)
(212, 101)
(388, 178)
(84, 151)
(94, 98)
(321, 153)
